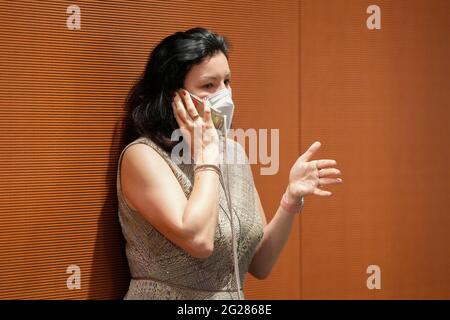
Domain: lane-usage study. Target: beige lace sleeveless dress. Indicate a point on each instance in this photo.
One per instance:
(162, 270)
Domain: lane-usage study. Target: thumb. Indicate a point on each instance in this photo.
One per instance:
(311, 151)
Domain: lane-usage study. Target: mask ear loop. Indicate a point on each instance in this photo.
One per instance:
(228, 198)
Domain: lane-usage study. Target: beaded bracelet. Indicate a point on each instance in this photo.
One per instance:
(291, 207)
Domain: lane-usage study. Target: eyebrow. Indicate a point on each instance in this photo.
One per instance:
(214, 77)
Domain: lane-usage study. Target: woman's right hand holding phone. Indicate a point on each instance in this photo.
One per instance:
(199, 132)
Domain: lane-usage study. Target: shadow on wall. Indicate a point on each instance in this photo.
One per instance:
(110, 275)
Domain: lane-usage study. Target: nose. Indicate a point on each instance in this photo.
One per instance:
(222, 86)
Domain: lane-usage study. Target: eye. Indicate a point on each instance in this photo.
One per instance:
(227, 81)
(207, 86)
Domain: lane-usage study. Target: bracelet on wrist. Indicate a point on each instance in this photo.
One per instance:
(291, 206)
(203, 167)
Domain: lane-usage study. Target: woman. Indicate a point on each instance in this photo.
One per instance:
(175, 217)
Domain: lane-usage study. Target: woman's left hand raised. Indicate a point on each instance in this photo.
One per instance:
(307, 177)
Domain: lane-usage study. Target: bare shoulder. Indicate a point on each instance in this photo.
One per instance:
(142, 170)
(142, 158)
(137, 151)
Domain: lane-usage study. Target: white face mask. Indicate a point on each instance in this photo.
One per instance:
(223, 103)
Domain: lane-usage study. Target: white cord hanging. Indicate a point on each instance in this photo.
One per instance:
(230, 209)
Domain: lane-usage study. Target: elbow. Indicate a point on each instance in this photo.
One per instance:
(259, 271)
(201, 248)
(197, 241)
(193, 242)
(260, 275)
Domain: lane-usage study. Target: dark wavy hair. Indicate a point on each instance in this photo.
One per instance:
(148, 104)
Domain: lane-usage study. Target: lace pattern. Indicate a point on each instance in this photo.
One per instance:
(162, 270)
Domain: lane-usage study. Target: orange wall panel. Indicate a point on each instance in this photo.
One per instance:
(378, 101)
(61, 120)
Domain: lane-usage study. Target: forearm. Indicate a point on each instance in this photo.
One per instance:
(201, 213)
(276, 234)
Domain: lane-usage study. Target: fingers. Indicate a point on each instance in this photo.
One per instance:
(186, 98)
(325, 163)
(328, 172)
(319, 192)
(311, 150)
(176, 114)
(179, 110)
(326, 181)
(325, 169)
